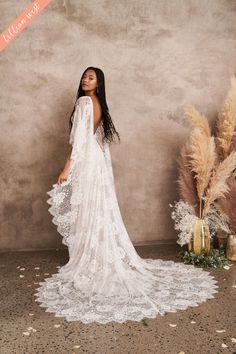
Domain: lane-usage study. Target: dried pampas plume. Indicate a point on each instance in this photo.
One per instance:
(228, 204)
(226, 121)
(198, 120)
(233, 142)
(218, 182)
(203, 157)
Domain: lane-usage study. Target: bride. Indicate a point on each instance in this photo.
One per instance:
(105, 279)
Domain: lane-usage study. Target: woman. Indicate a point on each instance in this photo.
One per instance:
(105, 279)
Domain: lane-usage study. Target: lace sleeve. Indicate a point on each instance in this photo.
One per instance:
(100, 135)
(77, 116)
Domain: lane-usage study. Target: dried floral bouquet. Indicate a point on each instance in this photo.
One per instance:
(206, 165)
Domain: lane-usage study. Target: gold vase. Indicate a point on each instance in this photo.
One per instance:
(201, 241)
(231, 248)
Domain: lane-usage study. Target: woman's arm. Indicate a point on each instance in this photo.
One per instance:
(64, 174)
(67, 164)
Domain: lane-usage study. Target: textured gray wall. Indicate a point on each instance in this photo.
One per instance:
(156, 56)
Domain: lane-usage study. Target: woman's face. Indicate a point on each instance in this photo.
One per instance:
(89, 81)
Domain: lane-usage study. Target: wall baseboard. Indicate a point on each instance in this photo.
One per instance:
(137, 244)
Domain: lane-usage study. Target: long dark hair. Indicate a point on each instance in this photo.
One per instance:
(108, 126)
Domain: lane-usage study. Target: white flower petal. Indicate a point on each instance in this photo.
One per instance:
(36, 268)
(220, 330)
(193, 322)
(226, 267)
(76, 346)
(223, 345)
(233, 340)
(172, 324)
(21, 276)
(26, 333)
(57, 325)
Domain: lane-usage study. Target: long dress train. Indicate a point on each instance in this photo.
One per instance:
(105, 279)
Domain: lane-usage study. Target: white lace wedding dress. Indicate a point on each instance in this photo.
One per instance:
(105, 279)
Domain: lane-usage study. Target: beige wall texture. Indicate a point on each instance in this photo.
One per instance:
(157, 56)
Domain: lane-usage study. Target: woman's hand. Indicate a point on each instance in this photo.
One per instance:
(63, 176)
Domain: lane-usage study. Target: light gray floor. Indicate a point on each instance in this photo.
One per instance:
(57, 336)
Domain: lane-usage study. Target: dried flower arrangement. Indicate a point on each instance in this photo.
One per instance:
(226, 144)
(206, 164)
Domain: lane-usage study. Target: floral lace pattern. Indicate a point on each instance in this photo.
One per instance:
(105, 279)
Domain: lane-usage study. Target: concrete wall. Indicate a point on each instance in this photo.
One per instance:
(156, 55)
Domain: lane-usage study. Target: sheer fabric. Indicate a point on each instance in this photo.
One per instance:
(105, 279)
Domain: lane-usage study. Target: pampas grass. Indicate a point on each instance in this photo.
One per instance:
(233, 142)
(198, 120)
(202, 158)
(226, 145)
(226, 121)
(218, 182)
(205, 166)
(228, 204)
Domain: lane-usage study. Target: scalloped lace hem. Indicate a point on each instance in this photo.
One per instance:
(175, 286)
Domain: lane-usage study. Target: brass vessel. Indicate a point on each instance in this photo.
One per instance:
(231, 248)
(201, 241)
